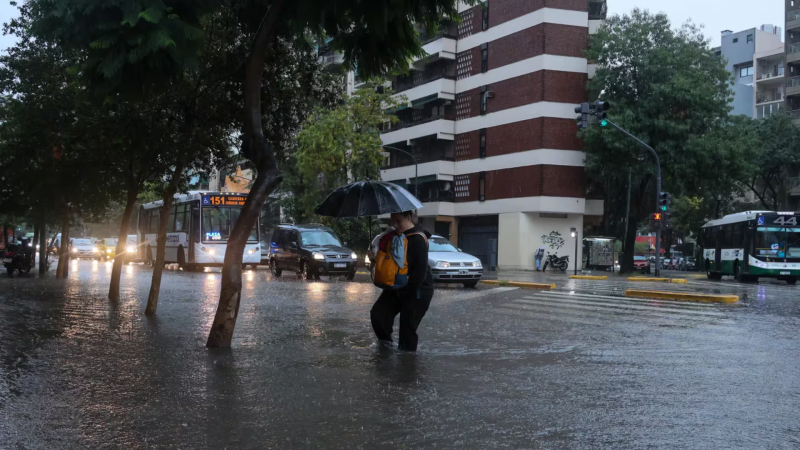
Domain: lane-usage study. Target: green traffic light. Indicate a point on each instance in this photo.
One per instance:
(663, 208)
(603, 122)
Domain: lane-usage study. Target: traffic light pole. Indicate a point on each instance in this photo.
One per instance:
(658, 190)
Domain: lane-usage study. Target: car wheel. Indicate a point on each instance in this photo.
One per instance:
(470, 284)
(350, 276)
(304, 272)
(273, 268)
(791, 281)
(372, 272)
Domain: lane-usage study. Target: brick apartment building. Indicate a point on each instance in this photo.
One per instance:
(490, 121)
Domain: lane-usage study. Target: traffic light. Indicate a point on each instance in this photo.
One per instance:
(655, 221)
(600, 108)
(664, 200)
(583, 118)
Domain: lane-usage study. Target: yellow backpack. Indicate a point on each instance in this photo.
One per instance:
(391, 265)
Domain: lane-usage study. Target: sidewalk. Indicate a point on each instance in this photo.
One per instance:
(540, 277)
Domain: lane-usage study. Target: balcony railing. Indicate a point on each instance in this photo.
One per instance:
(772, 74)
(408, 124)
(793, 48)
(434, 191)
(767, 97)
(434, 74)
(793, 81)
(795, 114)
(427, 154)
(793, 15)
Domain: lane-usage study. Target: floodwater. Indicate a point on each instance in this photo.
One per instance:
(496, 369)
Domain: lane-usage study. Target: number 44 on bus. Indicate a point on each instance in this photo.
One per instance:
(753, 244)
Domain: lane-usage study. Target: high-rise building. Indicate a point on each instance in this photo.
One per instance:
(491, 125)
(747, 52)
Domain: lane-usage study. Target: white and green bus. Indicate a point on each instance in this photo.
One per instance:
(753, 244)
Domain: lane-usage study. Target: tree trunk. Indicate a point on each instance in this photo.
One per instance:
(42, 247)
(161, 240)
(62, 271)
(122, 241)
(256, 149)
(629, 246)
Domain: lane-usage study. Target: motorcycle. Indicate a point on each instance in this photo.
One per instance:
(557, 262)
(17, 258)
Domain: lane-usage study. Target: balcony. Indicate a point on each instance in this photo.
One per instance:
(434, 191)
(793, 52)
(426, 151)
(769, 96)
(442, 127)
(792, 19)
(773, 75)
(438, 71)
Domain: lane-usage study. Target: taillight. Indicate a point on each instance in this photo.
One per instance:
(11, 254)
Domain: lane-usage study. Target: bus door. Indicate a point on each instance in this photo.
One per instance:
(718, 251)
(747, 231)
(194, 231)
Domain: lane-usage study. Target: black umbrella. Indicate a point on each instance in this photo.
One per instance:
(367, 198)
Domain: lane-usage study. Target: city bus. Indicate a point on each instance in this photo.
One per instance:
(198, 230)
(753, 244)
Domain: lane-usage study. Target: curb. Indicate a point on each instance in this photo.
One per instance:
(520, 284)
(589, 277)
(706, 298)
(659, 280)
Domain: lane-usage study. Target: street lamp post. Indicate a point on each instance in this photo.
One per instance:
(416, 166)
(574, 233)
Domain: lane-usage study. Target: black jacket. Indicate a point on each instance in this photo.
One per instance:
(420, 278)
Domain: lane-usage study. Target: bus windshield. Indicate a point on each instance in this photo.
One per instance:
(218, 222)
(778, 242)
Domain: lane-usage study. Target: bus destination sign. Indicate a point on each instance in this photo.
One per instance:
(223, 200)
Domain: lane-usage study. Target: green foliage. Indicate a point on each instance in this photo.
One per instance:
(775, 160)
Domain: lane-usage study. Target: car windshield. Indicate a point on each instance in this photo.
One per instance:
(110, 242)
(312, 238)
(219, 221)
(639, 258)
(438, 244)
(778, 242)
(81, 242)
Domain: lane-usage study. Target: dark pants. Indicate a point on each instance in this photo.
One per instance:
(411, 311)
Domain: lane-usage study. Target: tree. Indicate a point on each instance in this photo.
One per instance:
(666, 87)
(135, 46)
(775, 160)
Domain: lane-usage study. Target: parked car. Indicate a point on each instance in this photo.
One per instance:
(83, 248)
(450, 265)
(310, 251)
(641, 264)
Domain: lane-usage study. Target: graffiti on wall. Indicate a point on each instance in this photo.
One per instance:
(553, 240)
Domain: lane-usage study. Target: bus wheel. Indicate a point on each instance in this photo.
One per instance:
(712, 275)
(791, 281)
(737, 273)
(181, 258)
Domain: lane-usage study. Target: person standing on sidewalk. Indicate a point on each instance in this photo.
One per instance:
(411, 301)
(539, 257)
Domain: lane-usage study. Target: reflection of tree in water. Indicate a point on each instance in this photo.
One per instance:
(554, 240)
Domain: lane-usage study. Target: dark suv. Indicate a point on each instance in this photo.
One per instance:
(311, 251)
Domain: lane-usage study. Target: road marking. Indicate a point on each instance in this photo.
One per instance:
(683, 305)
(623, 306)
(471, 295)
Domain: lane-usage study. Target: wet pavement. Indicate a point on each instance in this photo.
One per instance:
(578, 367)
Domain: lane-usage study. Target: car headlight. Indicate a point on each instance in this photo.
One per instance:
(318, 256)
(353, 255)
(211, 251)
(95, 250)
(442, 264)
(366, 259)
(37, 247)
(74, 250)
(477, 263)
(108, 250)
(131, 249)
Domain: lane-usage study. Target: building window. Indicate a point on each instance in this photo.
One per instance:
(749, 38)
(484, 99)
(482, 186)
(745, 71)
(483, 143)
(485, 19)
(735, 40)
(485, 57)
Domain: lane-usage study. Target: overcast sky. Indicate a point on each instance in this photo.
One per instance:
(715, 15)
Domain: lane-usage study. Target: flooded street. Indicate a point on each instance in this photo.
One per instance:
(497, 367)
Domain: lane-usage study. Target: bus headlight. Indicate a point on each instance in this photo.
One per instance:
(318, 256)
(131, 249)
(211, 251)
(108, 250)
(74, 250)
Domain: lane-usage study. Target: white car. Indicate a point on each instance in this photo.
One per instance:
(450, 265)
(83, 248)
